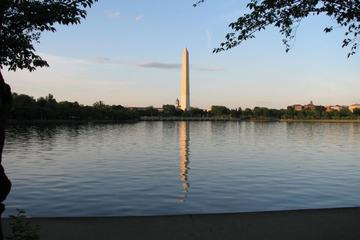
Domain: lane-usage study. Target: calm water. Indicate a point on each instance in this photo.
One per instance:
(151, 168)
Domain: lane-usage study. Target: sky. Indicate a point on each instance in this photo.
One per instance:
(129, 53)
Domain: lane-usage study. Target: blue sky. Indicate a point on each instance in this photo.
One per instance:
(108, 56)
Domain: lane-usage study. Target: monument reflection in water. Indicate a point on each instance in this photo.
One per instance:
(184, 134)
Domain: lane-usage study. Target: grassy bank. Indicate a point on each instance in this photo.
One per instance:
(15, 122)
(35, 122)
(322, 120)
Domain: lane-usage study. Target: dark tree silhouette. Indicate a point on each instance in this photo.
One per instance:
(21, 24)
(23, 21)
(5, 104)
(287, 15)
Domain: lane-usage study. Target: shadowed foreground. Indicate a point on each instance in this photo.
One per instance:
(304, 224)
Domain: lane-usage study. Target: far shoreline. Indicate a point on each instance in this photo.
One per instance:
(321, 120)
(180, 119)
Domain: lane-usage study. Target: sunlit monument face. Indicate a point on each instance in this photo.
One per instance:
(185, 89)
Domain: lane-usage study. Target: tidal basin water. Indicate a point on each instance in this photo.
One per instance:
(153, 168)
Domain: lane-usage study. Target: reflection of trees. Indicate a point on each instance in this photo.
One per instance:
(218, 128)
(169, 129)
(300, 130)
(45, 136)
(16, 132)
(184, 133)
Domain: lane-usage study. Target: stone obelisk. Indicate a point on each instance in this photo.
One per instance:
(185, 88)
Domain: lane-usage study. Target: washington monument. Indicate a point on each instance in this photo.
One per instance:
(185, 88)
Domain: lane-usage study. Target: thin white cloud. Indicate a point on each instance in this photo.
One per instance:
(139, 18)
(113, 14)
(62, 60)
(116, 15)
(105, 60)
(52, 59)
(209, 69)
(160, 65)
(102, 60)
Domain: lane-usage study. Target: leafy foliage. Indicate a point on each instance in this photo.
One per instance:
(220, 111)
(287, 15)
(357, 111)
(21, 228)
(23, 21)
(169, 110)
(47, 108)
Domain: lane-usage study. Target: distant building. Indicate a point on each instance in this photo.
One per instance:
(310, 106)
(335, 108)
(177, 103)
(298, 107)
(353, 107)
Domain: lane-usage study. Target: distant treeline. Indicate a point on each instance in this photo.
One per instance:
(263, 113)
(27, 108)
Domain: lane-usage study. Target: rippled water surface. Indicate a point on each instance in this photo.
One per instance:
(151, 168)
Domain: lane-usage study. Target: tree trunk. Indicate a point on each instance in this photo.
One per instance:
(2, 209)
(2, 139)
(2, 115)
(5, 105)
